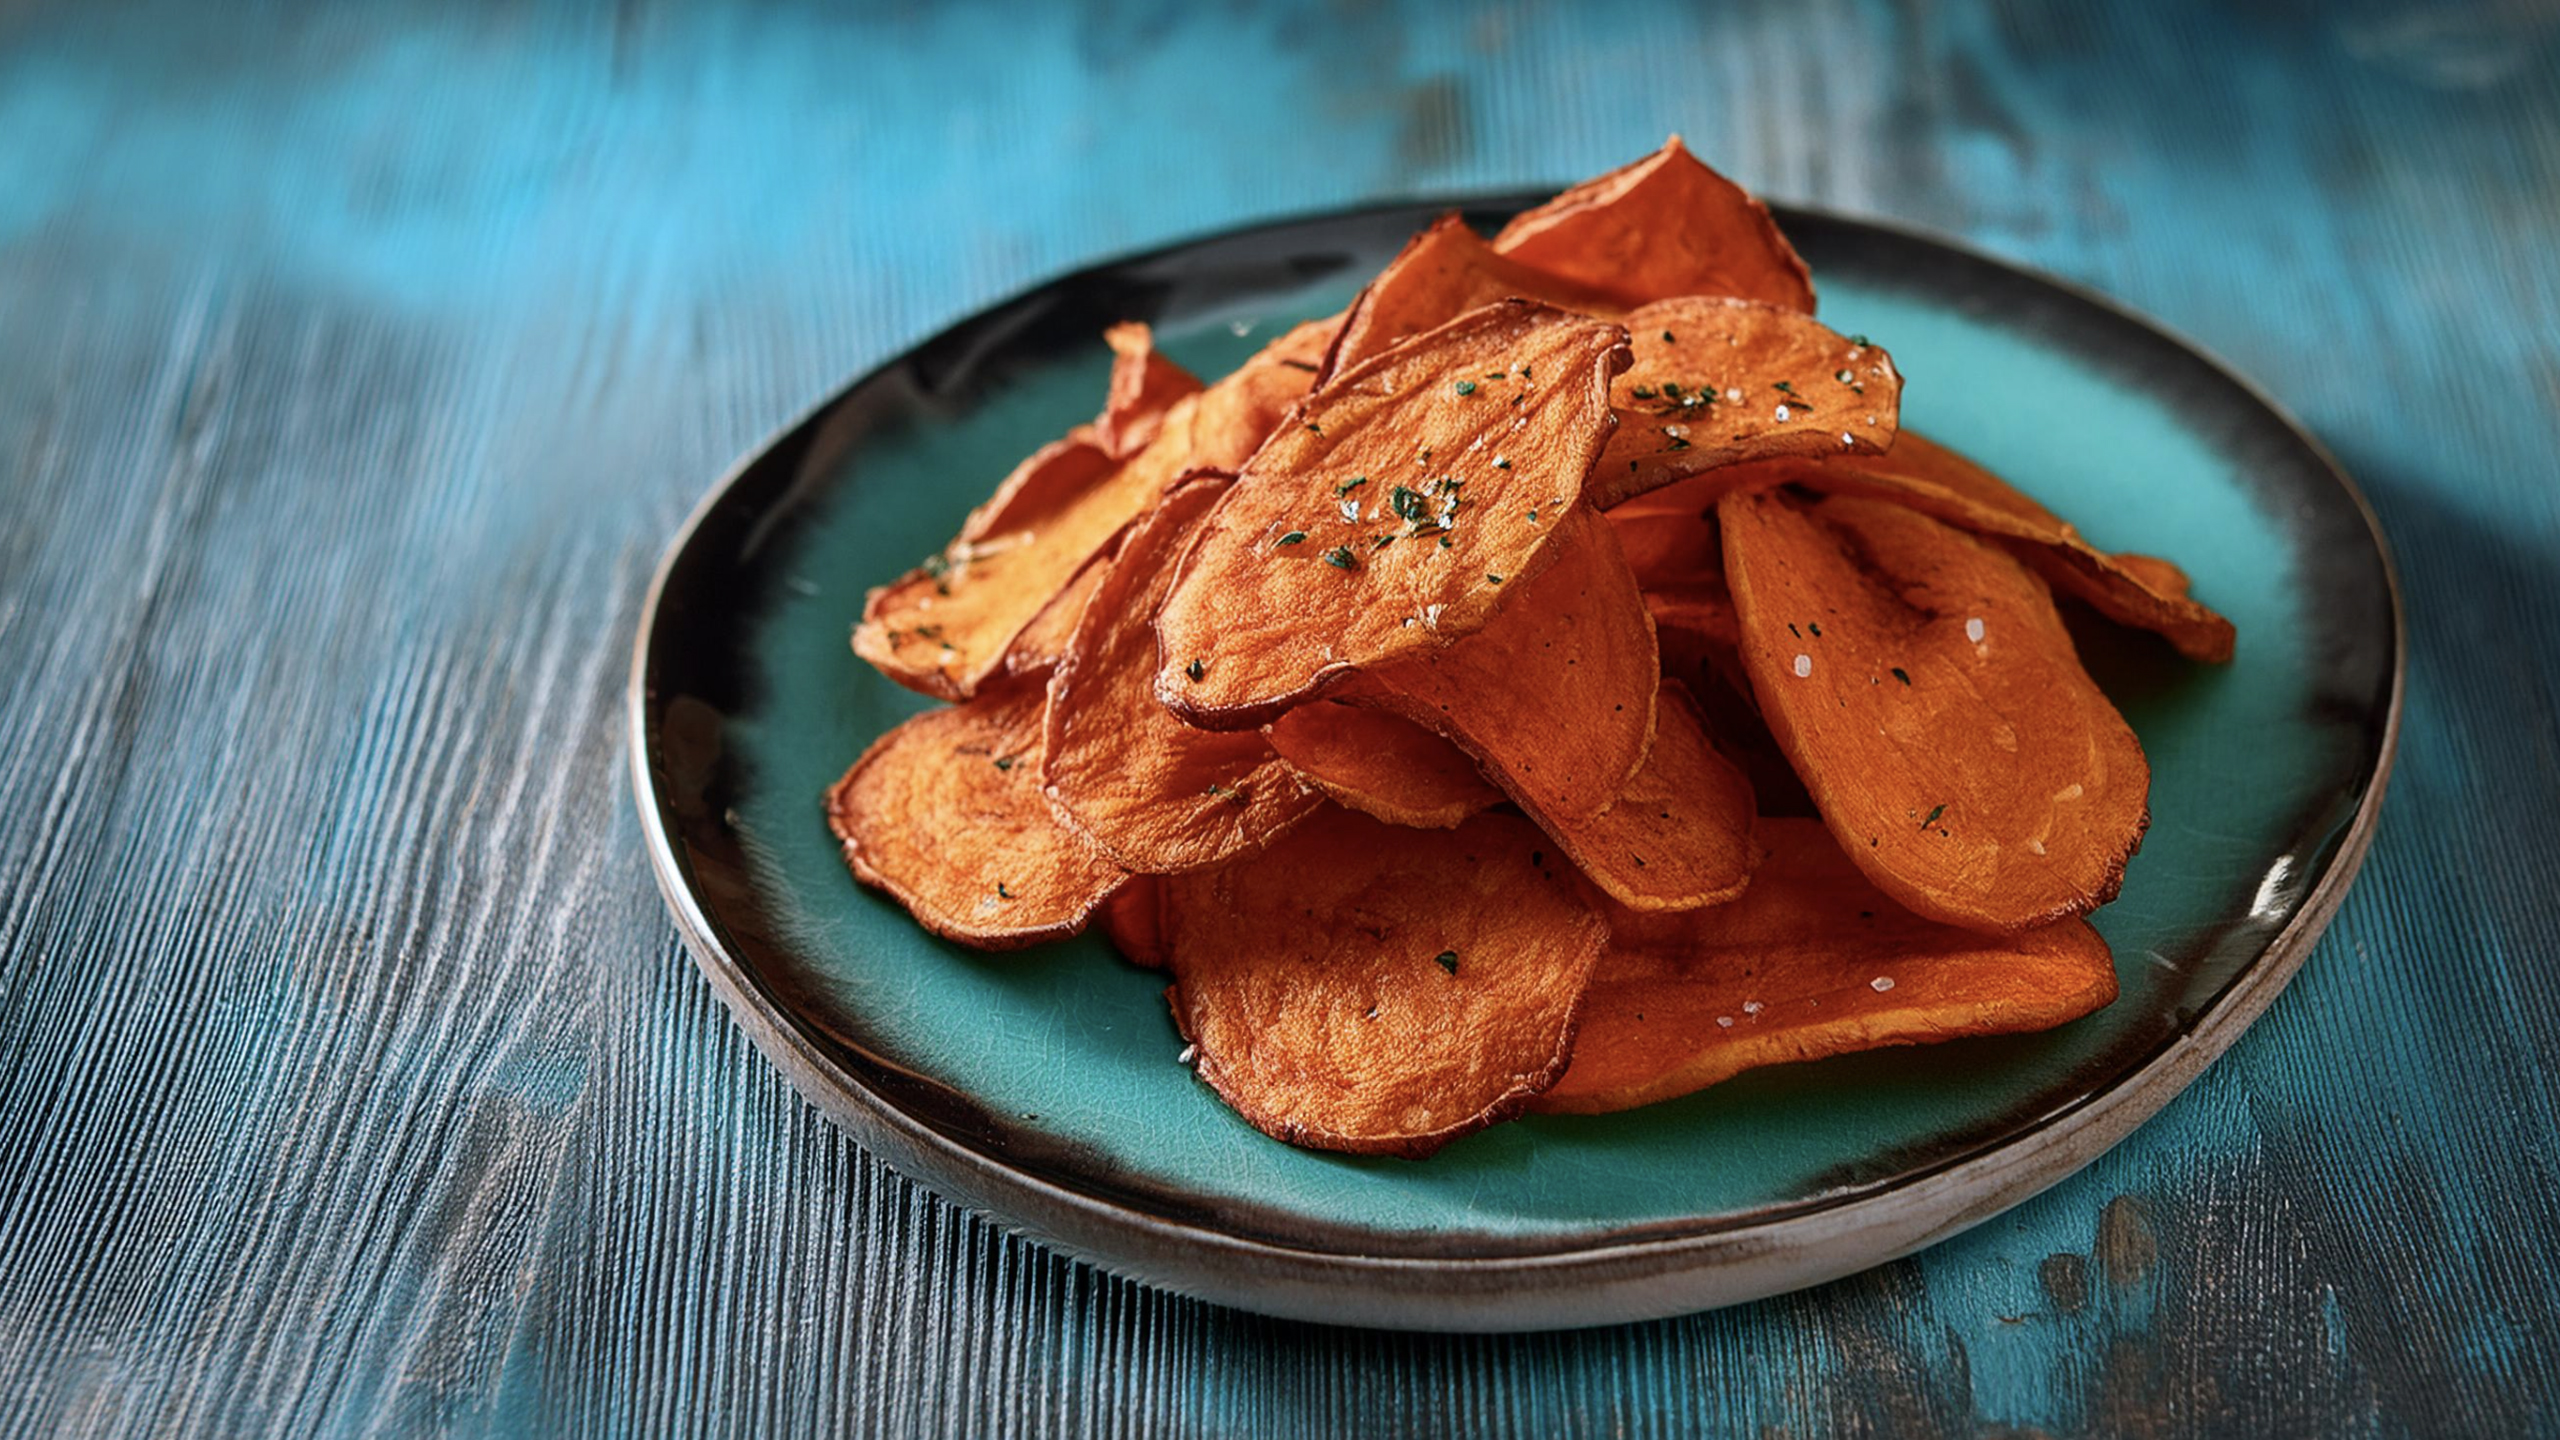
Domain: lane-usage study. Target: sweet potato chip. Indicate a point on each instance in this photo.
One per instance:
(1721, 382)
(1391, 516)
(1810, 962)
(1157, 795)
(1365, 988)
(945, 813)
(1923, 685)
(1441, 274)
(2132, 590)
(945, 627)
(1133, 921)
(1665, 225)
(1554, 698)
(1382, 765)
(1036, 650)
(1144, 386)
(1679, 835)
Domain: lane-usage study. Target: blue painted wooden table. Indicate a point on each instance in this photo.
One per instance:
(356, 361)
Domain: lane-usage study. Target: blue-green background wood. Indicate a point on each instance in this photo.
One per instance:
(355, 361)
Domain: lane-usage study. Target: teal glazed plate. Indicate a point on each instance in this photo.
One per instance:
(1044, 1087)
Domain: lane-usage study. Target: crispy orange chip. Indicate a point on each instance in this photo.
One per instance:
(1810, 962)
(1721, 382)
(1144, 386)
(945, 627)
(2133, 590)
(1382, 765)
(1441, 274)
(1665, 225)
(945, 813)
(1133, 921)
(1157, 795)
(1925, 689)
(1035, 652)
(1679, 835)
(1555, 696)
(1365, 988)
(1387, 518)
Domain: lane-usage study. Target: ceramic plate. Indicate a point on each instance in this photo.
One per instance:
(1043, 1087)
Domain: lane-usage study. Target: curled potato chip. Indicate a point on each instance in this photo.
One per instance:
(1554, 697)
(945, 627)
(1157, 795)
(2133, 590)
(1678, 836)
(1810, 962)
(1133, 921)
(1721, 382)
(1441, 274)
(1388, 518)
(1382, 765)
(1665, 225)
(1923, 685)
(945, 813)
(1035, 652)
(1378, 990)
(1144, 386)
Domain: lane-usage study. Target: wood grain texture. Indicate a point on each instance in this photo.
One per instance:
(355, 362)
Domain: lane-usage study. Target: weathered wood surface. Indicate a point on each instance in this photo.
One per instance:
(356, 360)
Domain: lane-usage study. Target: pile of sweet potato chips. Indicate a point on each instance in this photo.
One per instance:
(1552, 683)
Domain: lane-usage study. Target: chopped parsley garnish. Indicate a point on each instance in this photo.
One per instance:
(1004, 762)
(1785, 387)
(1670, 339)
(1293, 537)
(1354, 483)
(1678, 443)
(1314, 428)
(1671, 388)
(1339, 557)
(1003, 892)
(1933, 817)
(1382, 541)
(1493, 578)
(1501, 464)
(1859, 340)
(1444, 542)
(1447, 960)
(1815, 628)
(1642, 392)
(1195, 669)
(1902, 675)
(1466, 387)
(1409, 504)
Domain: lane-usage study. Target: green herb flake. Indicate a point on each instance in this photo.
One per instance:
(1466, 387)
(1339, 557)
(1444, 542)
(1815, 628)
(1314, 429)
(1408, 504)
(1354, 483)
(1902, 675)
(1501, 464)
(1195, 669)
(1933, 817)
(1492, 578)
(1677, 443)
(1003, 893)
(1643, 392)
(1670, 339)
(1447, 960)
(1860, 341)
(1671, 388)
(1382, 542)
(1004, 762)
(1293, 537)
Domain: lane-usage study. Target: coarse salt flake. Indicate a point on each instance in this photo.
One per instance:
(1882, 983)
(1752, 1007)
(1725, 1020)
(1973, 629)
(1189, 1054)
(1804, 666)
